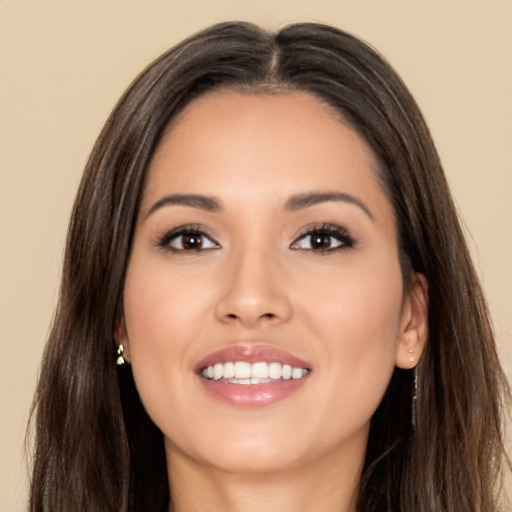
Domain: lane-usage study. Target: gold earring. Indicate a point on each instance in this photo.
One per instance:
(120, 355)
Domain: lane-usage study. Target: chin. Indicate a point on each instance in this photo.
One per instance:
(270, 448)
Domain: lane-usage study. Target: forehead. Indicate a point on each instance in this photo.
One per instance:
(262, 146)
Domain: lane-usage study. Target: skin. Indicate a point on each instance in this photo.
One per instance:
(345, 311)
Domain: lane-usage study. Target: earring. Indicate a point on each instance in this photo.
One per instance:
(411, 357)
(414, 398)
(120, 355)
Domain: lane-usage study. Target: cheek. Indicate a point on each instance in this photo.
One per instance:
(356, 317)
(162, 305)
(163, 323)
(358, 305)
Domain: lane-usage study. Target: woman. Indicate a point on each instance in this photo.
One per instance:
(265, 243)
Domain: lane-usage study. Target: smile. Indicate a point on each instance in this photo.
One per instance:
(242, 372)
(252, 375)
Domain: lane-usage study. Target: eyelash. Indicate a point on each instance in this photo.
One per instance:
(328, 230)
(331, 231)
(164, 241)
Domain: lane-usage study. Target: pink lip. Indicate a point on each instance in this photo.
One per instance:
(253, 395)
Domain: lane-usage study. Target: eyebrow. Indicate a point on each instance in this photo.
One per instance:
(294, 203)
(201, 202)
(301, 201)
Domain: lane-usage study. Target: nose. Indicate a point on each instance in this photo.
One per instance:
(254, 293)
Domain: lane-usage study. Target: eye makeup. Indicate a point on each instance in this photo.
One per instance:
(187, 238)
(321, 239)
(324, 238)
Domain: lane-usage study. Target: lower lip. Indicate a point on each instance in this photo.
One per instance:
(252, 395)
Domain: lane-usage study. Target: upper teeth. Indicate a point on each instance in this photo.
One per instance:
(241, 372)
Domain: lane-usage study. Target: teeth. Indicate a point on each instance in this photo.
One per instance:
(218, 371)
(259, 371)
(229, 370)
(241, 372)
(275, 370)
(296, 373)
(249, 381)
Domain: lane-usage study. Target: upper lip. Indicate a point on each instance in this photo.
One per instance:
(251, 354)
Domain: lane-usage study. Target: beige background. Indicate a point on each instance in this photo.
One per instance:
(63, 64)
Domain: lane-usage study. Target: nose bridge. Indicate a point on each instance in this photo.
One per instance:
(254, 292)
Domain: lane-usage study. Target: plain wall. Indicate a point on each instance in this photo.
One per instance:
(63, 64)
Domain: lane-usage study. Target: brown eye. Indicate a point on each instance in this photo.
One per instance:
(321, 241)
(191, 242)
(318, 242)
(327, 238)
(187, 240)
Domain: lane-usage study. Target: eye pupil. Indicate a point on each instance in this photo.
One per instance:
(192, 241)
(320, 241)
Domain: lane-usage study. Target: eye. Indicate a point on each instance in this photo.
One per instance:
(323, 239)
(187, 239)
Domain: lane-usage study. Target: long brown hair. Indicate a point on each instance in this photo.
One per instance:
(97, 450)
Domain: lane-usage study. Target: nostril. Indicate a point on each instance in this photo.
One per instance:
(268, 316)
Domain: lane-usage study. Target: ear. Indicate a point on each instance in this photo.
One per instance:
(121, 337)
(414, 323)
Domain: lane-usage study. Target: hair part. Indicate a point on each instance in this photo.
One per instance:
(97, 449)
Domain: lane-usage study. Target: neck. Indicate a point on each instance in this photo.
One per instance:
(321, 487)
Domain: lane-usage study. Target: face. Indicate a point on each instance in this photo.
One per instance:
(264, 305)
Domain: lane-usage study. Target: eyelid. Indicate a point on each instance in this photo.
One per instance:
(163, 241)
(333, 230)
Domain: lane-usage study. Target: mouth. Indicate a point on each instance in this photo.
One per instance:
(252, 375)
